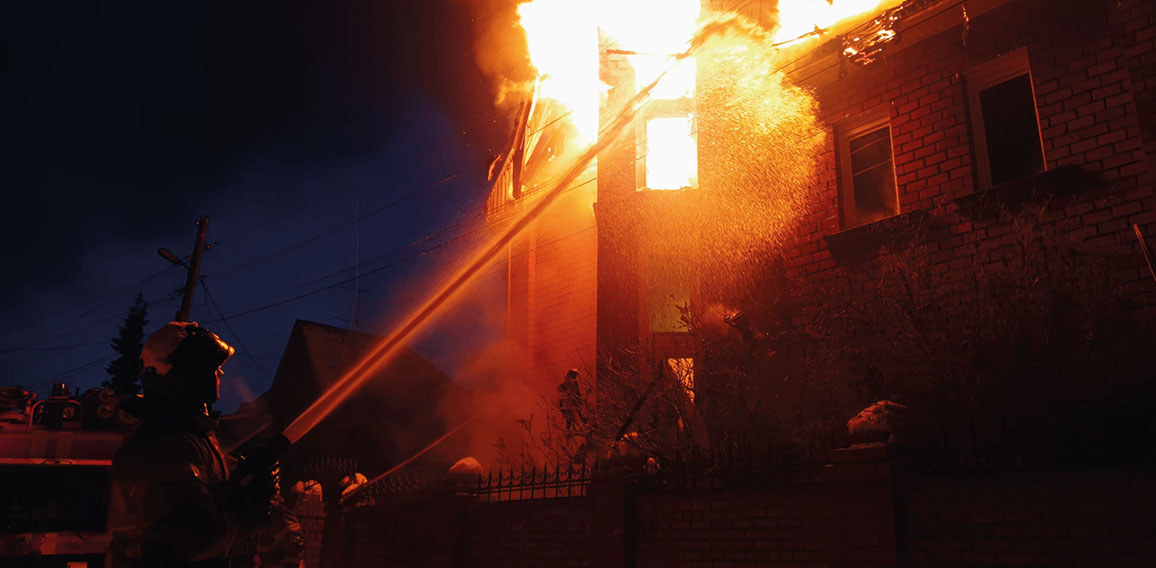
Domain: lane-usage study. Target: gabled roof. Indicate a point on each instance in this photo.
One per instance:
(317, 355)
(395, 414)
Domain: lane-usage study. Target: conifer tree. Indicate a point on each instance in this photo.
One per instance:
(125, 369)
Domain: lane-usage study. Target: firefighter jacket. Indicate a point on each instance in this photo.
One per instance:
(164, 507)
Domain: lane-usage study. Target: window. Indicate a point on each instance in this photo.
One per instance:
(1005, 126)
(867, 171)
(667, 145)
(671, 153)
(668, 290)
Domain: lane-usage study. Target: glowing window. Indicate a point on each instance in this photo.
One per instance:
(671, 153)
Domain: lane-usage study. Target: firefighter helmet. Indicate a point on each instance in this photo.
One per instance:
(182, 359)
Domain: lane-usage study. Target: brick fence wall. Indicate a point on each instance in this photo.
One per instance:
(845, 524)
(310, 511)
(543, 532)
(835, 520)
(1066, 519)
(454, 530)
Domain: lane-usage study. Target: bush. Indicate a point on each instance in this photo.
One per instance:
(1028, 354)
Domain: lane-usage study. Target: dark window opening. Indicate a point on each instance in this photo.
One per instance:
(1010, 130)
(872, 177)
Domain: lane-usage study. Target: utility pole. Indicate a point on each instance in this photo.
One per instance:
(193, 268)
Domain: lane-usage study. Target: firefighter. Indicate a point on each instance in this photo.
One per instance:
(173, 502)
(570, 400)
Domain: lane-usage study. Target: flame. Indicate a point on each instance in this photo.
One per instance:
(800, 17)
(563, 41)
(564, 38)
(655, 31)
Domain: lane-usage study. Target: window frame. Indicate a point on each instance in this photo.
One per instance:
(982, 77)
(845, 131)
(662, 108)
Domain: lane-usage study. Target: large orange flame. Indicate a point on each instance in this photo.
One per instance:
(564, 38)
(797, 18)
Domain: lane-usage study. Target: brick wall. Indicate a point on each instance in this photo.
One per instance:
(1068, 519)
(831, 525)
(543, 532)
(417, 530)
(453, 530)
(1136, 22)
(310, 511)
(1092, 69)
(1092, 519)
(1094, 98)
(566, 293)
(553, 289)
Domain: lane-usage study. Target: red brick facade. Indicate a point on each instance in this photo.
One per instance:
(1089, 116)
(1091, 69)
(551, 294)
(846, 515)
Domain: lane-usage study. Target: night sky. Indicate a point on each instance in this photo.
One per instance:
(339, 148)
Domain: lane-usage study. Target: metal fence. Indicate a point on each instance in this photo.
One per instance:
(534, 483)
(505, 484)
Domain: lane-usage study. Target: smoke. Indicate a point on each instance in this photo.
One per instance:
(758, 137)
(500, 51)
(498, 382)
(244, 392)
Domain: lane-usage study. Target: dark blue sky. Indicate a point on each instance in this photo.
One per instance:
(314, 135)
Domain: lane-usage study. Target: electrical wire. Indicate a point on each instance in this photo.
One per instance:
(102, 296)
(236, 336)
(253, 263)
(224, 318)
(376, 270)
(398, 201)
(42, 382)
(25, 346)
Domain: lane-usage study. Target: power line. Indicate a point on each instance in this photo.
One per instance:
(63, 347)
(344, 281)
(25, 346)
(138, 283)
(77, 369)
(229, 326)
(251, 264)
(395, 262)
(387, 266)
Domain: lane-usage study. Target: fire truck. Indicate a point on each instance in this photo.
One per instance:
(55, 456)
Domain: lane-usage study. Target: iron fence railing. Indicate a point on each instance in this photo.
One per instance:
(534, 483)
(505, 484)
(738, 467)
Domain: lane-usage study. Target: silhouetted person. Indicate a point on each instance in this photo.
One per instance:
(570, 399)
(173, 502)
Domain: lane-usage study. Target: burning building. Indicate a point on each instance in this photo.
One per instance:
(816, 132)
(900, 113)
